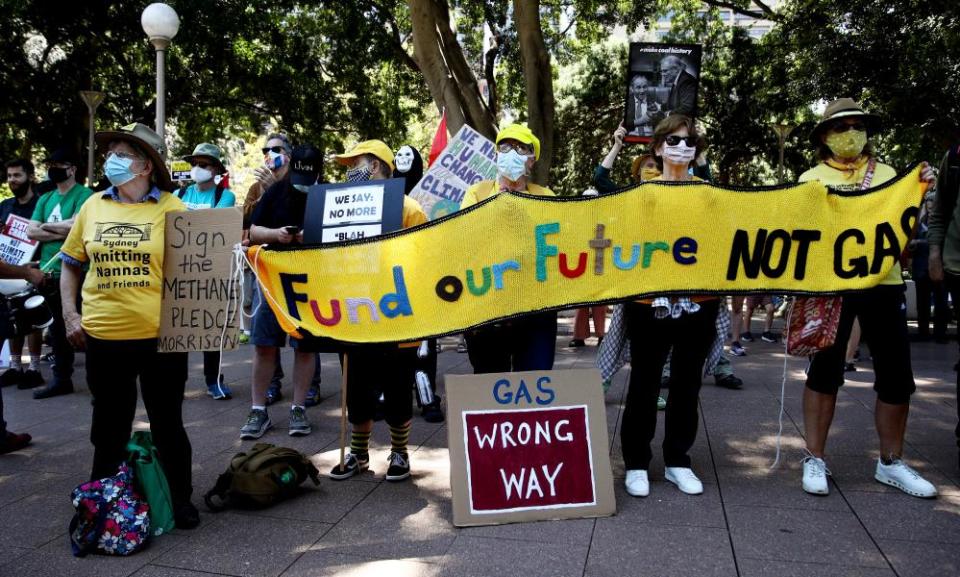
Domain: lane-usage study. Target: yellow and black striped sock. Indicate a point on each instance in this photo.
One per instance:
(399, 437)
(360, 443)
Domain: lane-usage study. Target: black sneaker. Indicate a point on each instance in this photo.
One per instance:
(11, 377)
(399, 467)
(768, 337)
(54, 389)
(273, 394)
(31, 379)
(729, 382)
(746, 337)
(14, 442)
(186, 516)
(352, 465)
(432, 413)
(313, 396)
(849, 368)
(576, 343)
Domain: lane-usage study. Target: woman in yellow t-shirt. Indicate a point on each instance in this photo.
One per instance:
(654, 327)
(119, 234)
(847, 163)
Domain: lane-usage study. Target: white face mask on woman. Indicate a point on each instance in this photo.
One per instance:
(679, 153)
(200, 175)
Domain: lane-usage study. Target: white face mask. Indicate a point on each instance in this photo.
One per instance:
(404, 159)
(200, 175)
(680, 153)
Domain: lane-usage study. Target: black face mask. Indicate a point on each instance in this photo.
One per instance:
(57, 174)
(20, 191)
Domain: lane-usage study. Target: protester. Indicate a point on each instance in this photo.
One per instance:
(209, 191)
(655, 326)
(50, 224)
(847, 163)
(10, 441)
(409, 166)
(769, 307)
(278, 219)
(20, 179)
(381, 368)
(527, 343)
(944, 239)
(120, 319)
(925, 287)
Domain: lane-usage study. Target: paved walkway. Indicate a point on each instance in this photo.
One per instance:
(749, 522)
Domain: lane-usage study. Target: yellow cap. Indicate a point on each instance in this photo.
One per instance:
(521, 133)
(377, 148)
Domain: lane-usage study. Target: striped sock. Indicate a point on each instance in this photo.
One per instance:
(359, 443)
(399, 437)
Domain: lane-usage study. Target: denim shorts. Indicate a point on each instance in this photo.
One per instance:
(266, 331)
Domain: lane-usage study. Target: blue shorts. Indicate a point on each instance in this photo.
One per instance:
(266, 331)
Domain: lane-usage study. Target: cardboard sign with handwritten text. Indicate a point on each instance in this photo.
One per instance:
(528, 447)
(199, 290)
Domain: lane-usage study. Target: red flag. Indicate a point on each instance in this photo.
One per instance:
(439, 139)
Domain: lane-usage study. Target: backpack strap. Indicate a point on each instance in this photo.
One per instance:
(217, 195)
(219, 490)
(868, 175)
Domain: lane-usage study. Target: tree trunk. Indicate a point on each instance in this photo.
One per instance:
(538, 74)
(452, 83)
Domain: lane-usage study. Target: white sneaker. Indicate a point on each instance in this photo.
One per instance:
(900, 475)
(684, 479)
(815, 475)
(637, 483)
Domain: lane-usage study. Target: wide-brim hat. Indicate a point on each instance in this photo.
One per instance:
(146, 139)
(843, 108)
(207, 150)
(377, 148)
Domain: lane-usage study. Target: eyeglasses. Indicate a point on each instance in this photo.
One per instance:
(841, 127)
(274, 149)
(519, 147)
(123, 155)
(674, 140)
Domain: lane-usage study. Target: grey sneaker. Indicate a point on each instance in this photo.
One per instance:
(258, 423)
(299, 425)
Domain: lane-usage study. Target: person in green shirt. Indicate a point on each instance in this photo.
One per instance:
(50, 224)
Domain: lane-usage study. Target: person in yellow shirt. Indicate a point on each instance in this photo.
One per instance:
(847, 163)
(119, 234)
(375, 369)
(528, 343)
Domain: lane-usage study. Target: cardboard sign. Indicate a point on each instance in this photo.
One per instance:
(199, 290)
(15, 246)
(467, 159)
(352, 211)
(528, 447)
(662, 79)
(180, 170)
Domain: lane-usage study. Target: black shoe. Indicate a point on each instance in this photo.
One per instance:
(186, 516)
(849, 368)
(399, 467)
(576, 343)
(432, 413)
(729, 382)
(273, 394)
(352, 465)
(54, 389)
(746, 337)
(30, 379)
(14, 442)
(11, 377)
(768, 337)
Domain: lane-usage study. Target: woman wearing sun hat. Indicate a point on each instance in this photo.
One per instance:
(119, 233)
(847, 163)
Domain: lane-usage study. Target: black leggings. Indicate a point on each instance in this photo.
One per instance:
(113, 368)
(375, 369)
(690, 336)
(953, 285)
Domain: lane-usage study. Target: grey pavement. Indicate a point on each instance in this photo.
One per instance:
(751, 520)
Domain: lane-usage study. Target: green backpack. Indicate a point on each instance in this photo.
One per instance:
(260, 477)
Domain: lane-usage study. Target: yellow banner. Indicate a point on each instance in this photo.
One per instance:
(515, 254)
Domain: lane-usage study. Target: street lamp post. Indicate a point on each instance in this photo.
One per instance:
(92, 99)
(161, 23)
(783, 131)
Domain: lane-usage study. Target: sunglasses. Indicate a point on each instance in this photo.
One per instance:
(674, 140)
(274, 149)
(519, 147)
(841, 127)
(201, 164)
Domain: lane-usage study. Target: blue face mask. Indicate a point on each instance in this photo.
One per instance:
(118, 170)
(511, 165)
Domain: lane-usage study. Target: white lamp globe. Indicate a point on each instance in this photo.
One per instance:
(160, 21)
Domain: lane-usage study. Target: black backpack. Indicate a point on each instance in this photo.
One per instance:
(261, 477)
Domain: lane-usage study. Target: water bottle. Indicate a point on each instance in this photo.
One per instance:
(424, 392)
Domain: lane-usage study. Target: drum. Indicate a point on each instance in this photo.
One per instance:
(28, 312)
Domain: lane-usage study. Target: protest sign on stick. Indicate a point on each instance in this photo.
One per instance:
(467, 159)
(352, 210)
(15, 246)
(199, 289)
(528, 447)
